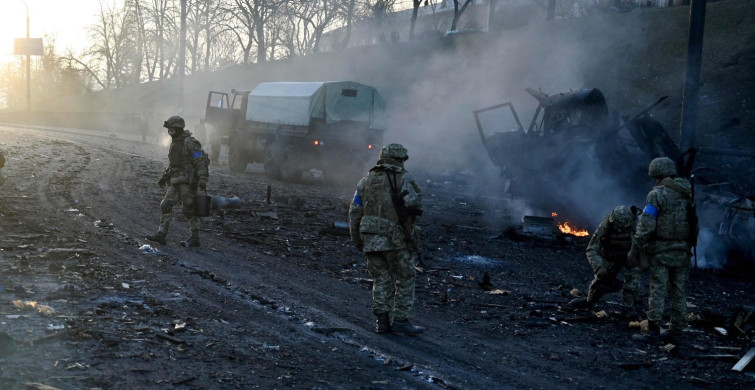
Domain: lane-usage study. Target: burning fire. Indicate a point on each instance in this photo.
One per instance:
(566, 229)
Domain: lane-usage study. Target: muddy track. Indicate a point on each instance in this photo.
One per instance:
(272, 299)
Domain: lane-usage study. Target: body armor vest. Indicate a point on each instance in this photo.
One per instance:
(673, 222)
(616, 244)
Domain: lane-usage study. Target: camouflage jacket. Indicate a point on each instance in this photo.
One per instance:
(665, 224)
(609, 243)
(374, 224)
(188, 162)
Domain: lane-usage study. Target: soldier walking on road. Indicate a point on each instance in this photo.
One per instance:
(187, 170)
(666, 231)
(381, 222)
(607, 254)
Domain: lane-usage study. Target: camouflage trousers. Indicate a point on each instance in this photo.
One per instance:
(630, 291)
(175, 194)
(669, 273)
(393, 280)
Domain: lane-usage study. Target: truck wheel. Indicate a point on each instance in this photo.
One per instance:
(236, 160)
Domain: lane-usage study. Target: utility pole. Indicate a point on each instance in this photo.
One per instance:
(692, 80)
(28, 64)
(182, 57)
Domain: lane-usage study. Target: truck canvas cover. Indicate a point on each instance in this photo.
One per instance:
(294, 103)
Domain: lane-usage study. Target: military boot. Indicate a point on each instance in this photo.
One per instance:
(383, 323)
(192, 241)
(406, 327)
(159, 237)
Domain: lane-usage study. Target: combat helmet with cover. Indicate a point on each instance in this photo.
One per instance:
(396, 152)
(175, 122)
(662, 167)
(621, 216)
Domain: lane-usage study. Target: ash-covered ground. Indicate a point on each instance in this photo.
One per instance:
(278, 298)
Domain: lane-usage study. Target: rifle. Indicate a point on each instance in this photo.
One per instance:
(398, 205)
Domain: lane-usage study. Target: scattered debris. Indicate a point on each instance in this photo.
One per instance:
(220, 203)
(45, 310)
(24, 305)
(745, 360)
(538, 225)
(39, 386)
(165, 336)
(337, 229)
(148, 249)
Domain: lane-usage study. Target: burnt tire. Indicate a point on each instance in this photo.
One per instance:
(236, 160)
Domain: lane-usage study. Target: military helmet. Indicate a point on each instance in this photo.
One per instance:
(662, 167)
(394, 152)
(174, 122)
(621, 216)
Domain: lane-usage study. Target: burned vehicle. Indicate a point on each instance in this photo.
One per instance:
(292, 127)
(575, 157)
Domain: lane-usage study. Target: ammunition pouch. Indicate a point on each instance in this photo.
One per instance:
(377, 225)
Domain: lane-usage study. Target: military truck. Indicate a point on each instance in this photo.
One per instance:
(292, 127)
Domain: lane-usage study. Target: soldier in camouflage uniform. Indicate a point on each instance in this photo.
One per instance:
(666, 231)
(385, 206)
(607, 254)
(187, 170)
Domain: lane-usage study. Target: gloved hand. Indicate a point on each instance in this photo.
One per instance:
(633, 257)
(601, 272)
(163, 181)
(203, 183)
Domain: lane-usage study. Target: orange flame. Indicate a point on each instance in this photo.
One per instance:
(565, 228)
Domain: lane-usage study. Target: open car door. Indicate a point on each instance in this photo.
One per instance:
(218, 112)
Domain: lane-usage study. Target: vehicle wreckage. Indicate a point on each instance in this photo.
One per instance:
(578, 159)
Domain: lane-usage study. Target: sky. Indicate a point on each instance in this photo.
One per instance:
(67, 20)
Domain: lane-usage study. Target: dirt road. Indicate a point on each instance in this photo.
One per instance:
(276, 298)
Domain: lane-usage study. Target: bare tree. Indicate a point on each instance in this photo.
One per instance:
(458, 11)
(348, 8)
(415, 11)
(314, 17)
(254, 15)
(114, 48)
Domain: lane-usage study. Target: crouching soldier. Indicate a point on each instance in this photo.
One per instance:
(187, 170)
(381, 223)
(607, 254)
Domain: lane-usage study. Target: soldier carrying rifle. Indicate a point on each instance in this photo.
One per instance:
(382, 219)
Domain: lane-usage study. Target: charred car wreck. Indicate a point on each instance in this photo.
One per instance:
(574, 146)
(578, 159)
